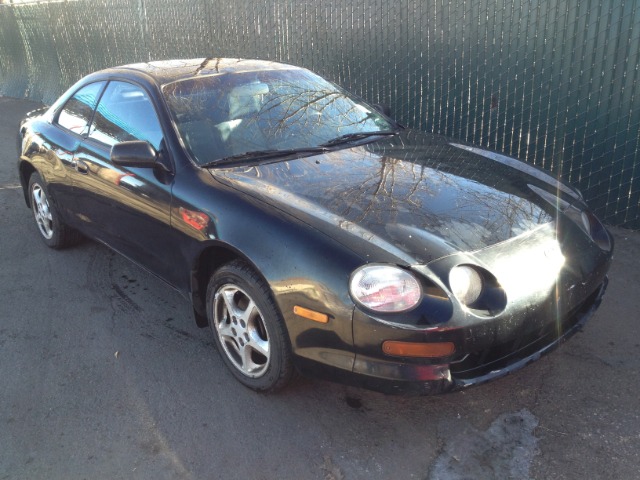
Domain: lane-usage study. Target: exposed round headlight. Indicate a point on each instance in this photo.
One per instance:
(385, 288)
(466, 284)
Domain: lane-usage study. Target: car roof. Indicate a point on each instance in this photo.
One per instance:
(168, 71)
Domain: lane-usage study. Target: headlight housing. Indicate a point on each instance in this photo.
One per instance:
(466, 284)
(385, 288)
(596, 230)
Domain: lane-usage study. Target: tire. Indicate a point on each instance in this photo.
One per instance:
(53, 231)
(248, 328)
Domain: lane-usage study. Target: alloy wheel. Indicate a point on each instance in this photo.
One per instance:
(241, 329)
(41, 211)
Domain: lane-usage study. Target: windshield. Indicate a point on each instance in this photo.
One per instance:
(232, 114)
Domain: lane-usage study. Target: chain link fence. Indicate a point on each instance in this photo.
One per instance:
(554, 83)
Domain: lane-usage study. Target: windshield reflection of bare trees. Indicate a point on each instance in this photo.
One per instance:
(296, 112)
(303, 109)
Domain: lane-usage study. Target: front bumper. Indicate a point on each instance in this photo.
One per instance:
(548, 295)
(498, 360)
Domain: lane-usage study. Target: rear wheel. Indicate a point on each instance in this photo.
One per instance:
(52, 230)
(248, 328)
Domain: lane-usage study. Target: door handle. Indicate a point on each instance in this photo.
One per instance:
(81, 167)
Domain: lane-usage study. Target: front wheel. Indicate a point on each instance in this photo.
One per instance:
(248, 328)
(53, 231)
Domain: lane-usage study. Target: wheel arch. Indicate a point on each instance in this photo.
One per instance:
(26, 169)
(208, 261)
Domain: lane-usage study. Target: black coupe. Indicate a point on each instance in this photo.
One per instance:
(310, 231)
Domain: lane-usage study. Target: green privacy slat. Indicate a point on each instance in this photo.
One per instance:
(556, 84)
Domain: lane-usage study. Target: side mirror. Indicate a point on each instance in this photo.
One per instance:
(134, 154)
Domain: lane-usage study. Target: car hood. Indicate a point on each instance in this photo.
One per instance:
(414, 196)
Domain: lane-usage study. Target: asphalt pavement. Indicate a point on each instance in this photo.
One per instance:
(104, 375)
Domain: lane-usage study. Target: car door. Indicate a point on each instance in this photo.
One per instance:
(60, 140)
(125, 207)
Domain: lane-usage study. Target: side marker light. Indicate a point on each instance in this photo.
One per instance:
(311, 314)
(411, 349)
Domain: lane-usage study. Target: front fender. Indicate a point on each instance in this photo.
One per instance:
(302, 266)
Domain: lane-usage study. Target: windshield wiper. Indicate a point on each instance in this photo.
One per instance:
(349, 137)
(264, 154)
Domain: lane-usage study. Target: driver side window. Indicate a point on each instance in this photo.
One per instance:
(76, 113)
(125, 113)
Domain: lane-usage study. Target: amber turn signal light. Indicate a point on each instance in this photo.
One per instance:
(311, 315)
(412, 349)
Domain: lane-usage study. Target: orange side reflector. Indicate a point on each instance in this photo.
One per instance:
(197, 220)
(409, 349)
(311, 315)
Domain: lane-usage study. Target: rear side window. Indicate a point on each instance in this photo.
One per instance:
(76, 113)
(126, 113)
